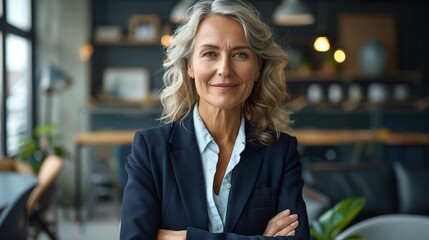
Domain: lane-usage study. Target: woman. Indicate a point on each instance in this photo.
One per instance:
(221, 168)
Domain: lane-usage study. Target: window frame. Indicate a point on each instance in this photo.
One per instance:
(6, 29)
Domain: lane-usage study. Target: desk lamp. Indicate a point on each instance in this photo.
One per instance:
(292, 13)
(178, 14)
(52, 80)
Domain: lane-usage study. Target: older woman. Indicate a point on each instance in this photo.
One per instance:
(222, 167)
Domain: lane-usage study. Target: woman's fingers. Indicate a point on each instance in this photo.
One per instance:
(289, 230)
(164, 234)
(281, 224)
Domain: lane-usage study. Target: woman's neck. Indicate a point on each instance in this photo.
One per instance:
(223, 124)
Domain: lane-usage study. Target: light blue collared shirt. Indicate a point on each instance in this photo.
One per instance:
(209, 150)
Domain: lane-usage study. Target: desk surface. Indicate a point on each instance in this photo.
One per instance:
(105, 137)
(307, 137)
(12, 186)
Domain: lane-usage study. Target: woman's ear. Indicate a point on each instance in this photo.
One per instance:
(190, 69)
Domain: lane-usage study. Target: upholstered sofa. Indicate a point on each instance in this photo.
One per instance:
(388, 188)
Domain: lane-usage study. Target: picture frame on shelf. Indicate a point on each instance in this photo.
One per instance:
(353, 37)
(144, 28)
(126, 85)
(108, 33)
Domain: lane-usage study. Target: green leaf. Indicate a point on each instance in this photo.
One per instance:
(27, 149)
(46, 142)
(348, 209)
(45, 130)
(354, 237)
(316, 230)
(61, 152)
(336, 218)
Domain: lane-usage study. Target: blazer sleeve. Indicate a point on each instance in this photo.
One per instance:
(139, 222)
(290, 197)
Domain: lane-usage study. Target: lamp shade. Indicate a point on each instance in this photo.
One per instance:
(292, 13)
(53, 79)
(178, 14)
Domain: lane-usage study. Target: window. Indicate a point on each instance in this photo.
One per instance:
(1, 94)
(18, 99)
(16, 69)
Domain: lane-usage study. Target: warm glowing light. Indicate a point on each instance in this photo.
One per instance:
(165, 40)
(339, 56)
(321, 44)
(85, 52)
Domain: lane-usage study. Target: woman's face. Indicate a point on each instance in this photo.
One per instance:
(223, 65)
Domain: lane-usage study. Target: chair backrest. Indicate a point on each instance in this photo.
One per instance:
(12, 165)
(391, 226)
(315, 201)
(338, 181)
(7, 165)
(48, 173)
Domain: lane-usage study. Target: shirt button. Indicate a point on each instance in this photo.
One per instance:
(228, 185)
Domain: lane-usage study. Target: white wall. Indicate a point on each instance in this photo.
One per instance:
(62, 28)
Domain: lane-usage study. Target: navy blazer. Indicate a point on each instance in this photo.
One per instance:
(166, 190)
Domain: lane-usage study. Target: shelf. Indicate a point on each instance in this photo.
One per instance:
(126, 42)
(402, 76)
(102, 109)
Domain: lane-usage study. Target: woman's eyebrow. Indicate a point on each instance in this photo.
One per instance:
(241, 47)
(217, 47)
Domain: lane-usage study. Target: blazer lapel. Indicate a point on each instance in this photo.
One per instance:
(187, 168)
(243, 180)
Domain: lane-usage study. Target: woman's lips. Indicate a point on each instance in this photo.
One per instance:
(224, 86)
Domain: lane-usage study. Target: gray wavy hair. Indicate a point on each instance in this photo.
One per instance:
(264, 108)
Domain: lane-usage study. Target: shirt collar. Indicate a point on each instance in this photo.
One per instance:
(202, 134)
(204, 138)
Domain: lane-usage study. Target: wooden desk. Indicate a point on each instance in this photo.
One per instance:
(402, 138)
(13, 185)
(105, 138)
(314, 137)
(14, 188)
(96, 138)
(306, 137)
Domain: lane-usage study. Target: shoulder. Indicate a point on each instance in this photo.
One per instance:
(284, 144)
(283, 139)
(287, 138)
(158, 134)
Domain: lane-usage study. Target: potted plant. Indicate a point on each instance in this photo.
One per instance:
(336, 219)
(46, 142)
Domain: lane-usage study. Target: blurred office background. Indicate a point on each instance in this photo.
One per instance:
(358, 78)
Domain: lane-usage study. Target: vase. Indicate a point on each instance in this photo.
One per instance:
(373, 58)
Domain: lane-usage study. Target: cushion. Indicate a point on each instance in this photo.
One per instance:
(412, 182)
(376, 184)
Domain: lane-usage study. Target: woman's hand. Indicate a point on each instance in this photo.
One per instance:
(171, 235)
(283, 224)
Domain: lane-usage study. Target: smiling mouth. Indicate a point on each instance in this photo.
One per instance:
(225, 86)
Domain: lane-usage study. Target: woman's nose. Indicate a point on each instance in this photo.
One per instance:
(224, 67)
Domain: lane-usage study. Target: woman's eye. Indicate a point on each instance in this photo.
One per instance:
(241, 55)
(210, 54)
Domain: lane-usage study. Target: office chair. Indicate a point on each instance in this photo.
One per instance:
(43, 195)
(391, 226)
